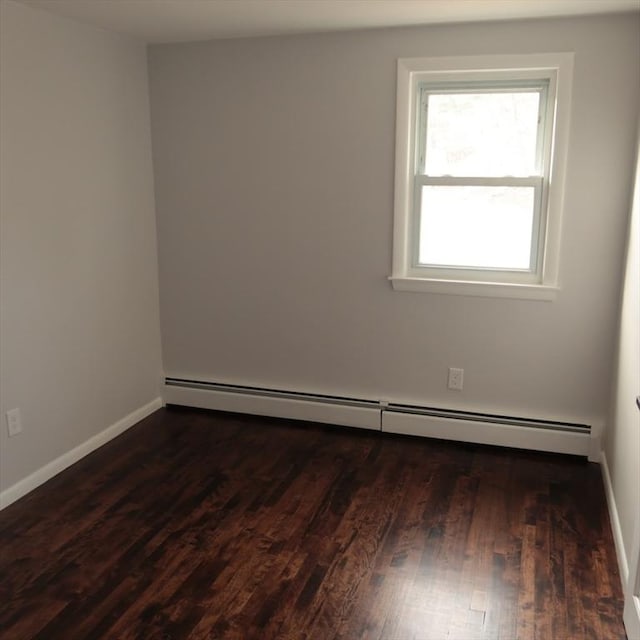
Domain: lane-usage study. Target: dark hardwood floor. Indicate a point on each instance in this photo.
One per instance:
(204, 525)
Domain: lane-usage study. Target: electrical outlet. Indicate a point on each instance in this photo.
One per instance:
(14, 422)
(456, 378)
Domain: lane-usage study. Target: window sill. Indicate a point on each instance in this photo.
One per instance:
(470, 288)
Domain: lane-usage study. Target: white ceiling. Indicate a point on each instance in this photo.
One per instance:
(187, 20)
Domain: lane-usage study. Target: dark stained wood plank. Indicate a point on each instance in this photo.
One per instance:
(200, 525)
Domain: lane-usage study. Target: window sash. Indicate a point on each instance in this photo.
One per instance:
(537, 181)
(500, 181)
(425, 89)
(530, 274)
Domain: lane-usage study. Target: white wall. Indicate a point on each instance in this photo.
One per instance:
(274, 187)
(79, 325)
(622, 442)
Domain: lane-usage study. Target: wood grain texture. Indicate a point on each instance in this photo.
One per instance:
(203, 525)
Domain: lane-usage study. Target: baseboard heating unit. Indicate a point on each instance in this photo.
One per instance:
(507, 431)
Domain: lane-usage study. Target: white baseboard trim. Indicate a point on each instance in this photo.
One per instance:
(623, 563)
(53, 468)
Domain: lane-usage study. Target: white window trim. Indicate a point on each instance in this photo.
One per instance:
(411, 71)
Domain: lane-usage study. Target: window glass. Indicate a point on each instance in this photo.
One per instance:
(481, 134)
(476, 227)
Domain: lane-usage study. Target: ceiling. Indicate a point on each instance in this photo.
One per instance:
(188, 20)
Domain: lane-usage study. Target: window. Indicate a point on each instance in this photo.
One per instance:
(480, 153)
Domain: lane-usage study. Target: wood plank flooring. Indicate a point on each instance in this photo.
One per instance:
(204, 525)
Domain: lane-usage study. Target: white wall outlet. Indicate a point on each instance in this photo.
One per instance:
(14, 422)
(456, 378)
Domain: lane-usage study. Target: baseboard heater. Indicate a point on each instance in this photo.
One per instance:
(390, 417)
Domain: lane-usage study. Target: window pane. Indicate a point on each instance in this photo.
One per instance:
(482, 134)
(481, 227)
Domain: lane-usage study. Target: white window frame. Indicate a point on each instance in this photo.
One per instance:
(541, 281)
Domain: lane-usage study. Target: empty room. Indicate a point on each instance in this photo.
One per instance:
(319, 319)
